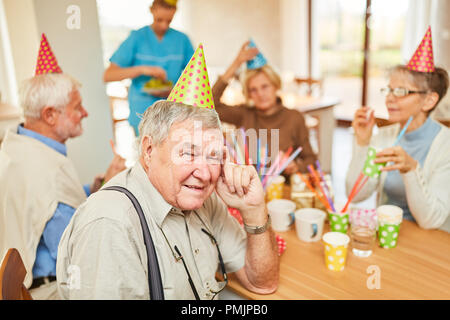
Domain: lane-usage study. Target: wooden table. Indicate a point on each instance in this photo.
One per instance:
(418, 268)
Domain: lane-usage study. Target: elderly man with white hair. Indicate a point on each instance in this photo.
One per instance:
(183, 183)
(40, 188)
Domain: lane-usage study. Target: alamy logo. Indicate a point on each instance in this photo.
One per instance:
(74, 20)
(374, 280)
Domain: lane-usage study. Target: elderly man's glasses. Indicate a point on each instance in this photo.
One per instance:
(398, 92)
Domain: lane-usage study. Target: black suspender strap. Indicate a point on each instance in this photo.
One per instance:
(154, 274)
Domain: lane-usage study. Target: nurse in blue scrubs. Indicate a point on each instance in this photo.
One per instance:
(153, 51)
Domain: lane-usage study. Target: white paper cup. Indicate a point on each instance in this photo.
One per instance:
(309, 224)
(282, 213)
(389, 214)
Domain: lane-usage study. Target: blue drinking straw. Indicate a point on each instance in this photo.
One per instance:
(400, 135)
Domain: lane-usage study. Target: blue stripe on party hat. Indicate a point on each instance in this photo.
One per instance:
(257, 62)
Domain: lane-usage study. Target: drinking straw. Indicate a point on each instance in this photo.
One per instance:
(286, 155)
(315, 176)
(363, 182)
(353, 192)
(286, 163)
(272, 168)
(244, 141)
(232, 152)
(266, 160)
(310, 187)
(237, 148)
(322, 176)
(289, 159)
(400, 135)
(258, 156)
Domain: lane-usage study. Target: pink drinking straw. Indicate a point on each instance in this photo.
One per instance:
(272, 168)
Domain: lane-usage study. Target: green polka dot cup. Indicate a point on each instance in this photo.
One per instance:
(388, 235)
(389, 220)
(372, 169)
(338, 222)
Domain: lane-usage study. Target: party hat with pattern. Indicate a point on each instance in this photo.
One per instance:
(258, 61)
(193, 86)
(46, 62)
(171, 2)
(422, 59)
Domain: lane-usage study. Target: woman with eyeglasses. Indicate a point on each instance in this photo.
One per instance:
(417, 174)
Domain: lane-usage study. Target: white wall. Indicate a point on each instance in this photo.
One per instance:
(223, 26)
(79, 53)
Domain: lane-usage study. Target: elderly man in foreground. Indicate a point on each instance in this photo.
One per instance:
(183, 186)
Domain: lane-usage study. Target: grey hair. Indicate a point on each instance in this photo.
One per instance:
(51, 89)
(159, 118)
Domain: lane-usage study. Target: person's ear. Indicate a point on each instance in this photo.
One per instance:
(431, 100)
(147, 148)
(50, 115)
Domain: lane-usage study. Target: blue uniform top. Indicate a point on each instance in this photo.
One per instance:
(45, 262)
(416, 143)
(142, 47)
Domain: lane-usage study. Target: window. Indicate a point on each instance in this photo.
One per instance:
(341, 31)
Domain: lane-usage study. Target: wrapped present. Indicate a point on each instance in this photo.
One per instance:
(280, 241)
(304, 197)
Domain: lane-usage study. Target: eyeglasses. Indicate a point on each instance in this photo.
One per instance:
(399, 92)
(222, 284)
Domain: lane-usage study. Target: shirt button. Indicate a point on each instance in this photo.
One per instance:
(196, 251)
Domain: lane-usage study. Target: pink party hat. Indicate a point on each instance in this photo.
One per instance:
(46, 62)
(193, 86)
(422, 60)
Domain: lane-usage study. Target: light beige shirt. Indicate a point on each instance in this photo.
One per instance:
(102, 253)
(34, 178)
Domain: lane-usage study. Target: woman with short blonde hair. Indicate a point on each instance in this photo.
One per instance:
(264, 111)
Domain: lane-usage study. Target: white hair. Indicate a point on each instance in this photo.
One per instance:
(159, 118)
(51, 89)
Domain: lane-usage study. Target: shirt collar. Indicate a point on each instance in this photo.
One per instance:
(421, 133)
(159, 207)
(55, 145)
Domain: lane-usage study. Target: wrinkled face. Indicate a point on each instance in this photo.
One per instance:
(162, 17)
(186, 166)
(262, 91)
(68, 124)
(401, 108)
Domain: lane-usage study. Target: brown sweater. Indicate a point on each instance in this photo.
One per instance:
(291, 124)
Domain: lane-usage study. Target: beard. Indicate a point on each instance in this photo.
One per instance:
(66, 128)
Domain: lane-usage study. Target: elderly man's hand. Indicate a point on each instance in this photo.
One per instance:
(239, 187)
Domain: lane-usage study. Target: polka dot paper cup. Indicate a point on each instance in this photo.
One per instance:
(389, 221)
(275, 188)
(338, 221)
(336, 244)
(372, 169)
(388, 235)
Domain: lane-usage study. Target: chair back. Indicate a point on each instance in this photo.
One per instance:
(12, 275)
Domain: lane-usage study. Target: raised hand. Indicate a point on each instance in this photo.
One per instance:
(362, 124)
